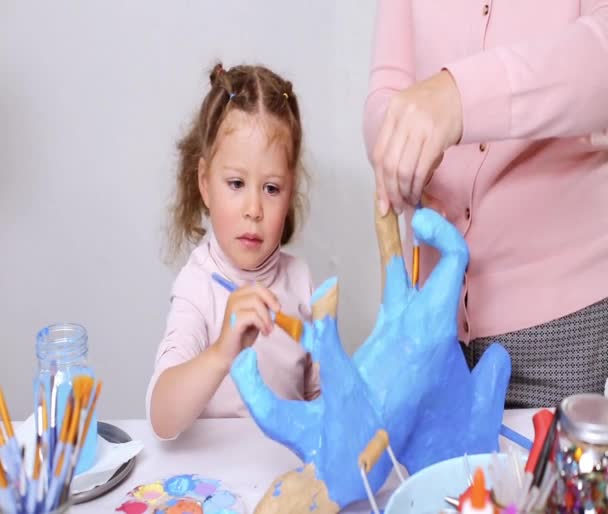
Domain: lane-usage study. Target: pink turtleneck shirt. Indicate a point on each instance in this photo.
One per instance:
(528, 184)
(196, 316)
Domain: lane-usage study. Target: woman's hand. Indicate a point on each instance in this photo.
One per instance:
(421, 122)
(247, 314)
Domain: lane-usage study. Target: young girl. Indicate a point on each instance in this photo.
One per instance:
(239, 169)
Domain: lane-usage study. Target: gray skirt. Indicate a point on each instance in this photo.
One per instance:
(554, 360)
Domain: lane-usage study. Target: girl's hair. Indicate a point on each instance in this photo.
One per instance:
(251, 89)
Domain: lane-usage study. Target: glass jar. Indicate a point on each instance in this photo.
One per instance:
(582, 456)
(62, 353)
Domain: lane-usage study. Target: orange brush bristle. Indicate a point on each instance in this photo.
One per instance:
(45, 416)
(6, 418)
(90, 412)
(37, 462)
(65, 426)
(293, 326)
(415, 265)
(3, 480)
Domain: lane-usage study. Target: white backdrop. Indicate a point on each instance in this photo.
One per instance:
(93, 96)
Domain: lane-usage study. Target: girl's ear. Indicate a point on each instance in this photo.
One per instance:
(203, 180)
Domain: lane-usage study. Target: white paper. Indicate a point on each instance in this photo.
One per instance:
(110, 456)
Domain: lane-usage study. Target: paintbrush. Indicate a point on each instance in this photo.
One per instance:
(415, 263)
(85, 391)
(7, 500)
(415, 255)
(14, 465)
(42, 492)
(34, 491)
(293, 326)
(55, 485)
(53, 414)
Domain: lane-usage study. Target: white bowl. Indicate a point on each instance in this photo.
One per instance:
(424, 492)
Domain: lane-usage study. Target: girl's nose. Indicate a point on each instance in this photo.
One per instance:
(253, 209)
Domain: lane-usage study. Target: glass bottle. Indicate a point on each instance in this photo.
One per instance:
(62, 351)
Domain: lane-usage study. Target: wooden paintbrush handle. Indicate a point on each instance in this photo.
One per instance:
(373, 450)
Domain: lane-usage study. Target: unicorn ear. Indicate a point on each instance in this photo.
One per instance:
(444, 284)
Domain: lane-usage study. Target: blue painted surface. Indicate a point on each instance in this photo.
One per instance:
(409, 376)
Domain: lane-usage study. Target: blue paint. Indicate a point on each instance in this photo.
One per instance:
(434, 407)
(313, 506)
(409, 376)
(277, 488)
(233, 320)
(516, 437)
(179, 485)
(323, 289)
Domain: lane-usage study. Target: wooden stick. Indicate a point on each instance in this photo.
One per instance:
(374, 449)
(389, 239)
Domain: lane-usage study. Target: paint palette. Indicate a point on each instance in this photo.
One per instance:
(182, 494)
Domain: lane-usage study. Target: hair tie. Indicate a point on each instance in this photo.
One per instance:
(231, 96)
(286, 96)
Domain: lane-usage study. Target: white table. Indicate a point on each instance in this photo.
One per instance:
(233, 450)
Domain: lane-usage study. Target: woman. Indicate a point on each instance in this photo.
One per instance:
(492, 109)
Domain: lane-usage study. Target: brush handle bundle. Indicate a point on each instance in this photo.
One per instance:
(46, 487)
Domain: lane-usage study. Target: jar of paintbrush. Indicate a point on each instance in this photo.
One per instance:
(62, 352)
(581, 456)
(65, 399)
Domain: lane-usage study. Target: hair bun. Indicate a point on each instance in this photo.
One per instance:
(288, 88)
(216, 73)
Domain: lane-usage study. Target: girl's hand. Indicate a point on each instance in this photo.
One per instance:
(421, 122)
(247, 314)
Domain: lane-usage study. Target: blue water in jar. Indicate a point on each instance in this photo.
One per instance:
(64, 348)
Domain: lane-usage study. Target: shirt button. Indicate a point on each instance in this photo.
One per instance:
(467, 213)
(465, 325)
(482, 147)
(486, 9)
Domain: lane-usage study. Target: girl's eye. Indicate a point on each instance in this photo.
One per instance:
(272, 189)
(235, 183)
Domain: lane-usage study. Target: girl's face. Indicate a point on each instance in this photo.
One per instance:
(248, 187)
